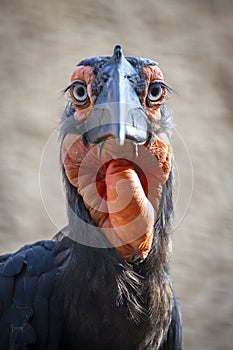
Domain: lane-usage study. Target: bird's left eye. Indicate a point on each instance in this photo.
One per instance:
(155, 92)
(80, 92)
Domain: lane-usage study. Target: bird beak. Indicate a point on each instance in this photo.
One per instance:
(117, 112)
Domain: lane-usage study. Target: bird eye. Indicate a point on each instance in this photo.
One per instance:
(80, 92)
(155, 92)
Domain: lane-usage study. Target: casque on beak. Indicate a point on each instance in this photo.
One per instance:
(118, 112)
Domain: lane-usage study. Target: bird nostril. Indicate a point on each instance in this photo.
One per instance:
(109, 131)
(101, 133)
(102, 124)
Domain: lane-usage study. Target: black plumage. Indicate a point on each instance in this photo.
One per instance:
(63, 294)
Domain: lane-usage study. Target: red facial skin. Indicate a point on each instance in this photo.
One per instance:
(122, 199)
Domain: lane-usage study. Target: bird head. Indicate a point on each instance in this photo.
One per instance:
(115, 152)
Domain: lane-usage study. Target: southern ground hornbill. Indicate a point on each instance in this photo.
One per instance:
(104, 281)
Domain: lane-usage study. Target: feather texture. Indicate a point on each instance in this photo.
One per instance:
(78, 291)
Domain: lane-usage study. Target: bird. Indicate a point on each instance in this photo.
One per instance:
(104, 281)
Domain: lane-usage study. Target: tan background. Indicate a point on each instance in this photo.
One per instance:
(41, 41)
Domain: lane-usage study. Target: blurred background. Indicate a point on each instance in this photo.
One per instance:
(41, 42)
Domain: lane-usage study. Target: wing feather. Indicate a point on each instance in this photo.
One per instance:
(30, 311)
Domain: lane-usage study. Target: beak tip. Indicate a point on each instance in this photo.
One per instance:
(121, 142)
(121, 134)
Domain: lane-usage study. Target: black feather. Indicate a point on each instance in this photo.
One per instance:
(68, 294)
(173, 339)
(12, 265)
(27, 280)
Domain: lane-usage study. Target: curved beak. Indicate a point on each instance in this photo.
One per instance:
(117, 112)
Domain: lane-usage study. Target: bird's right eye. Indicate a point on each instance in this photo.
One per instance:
(79, 92)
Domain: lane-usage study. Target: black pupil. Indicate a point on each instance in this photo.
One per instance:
(80, 91)
(155, 91)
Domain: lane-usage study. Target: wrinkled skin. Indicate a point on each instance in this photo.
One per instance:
(121, 186)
